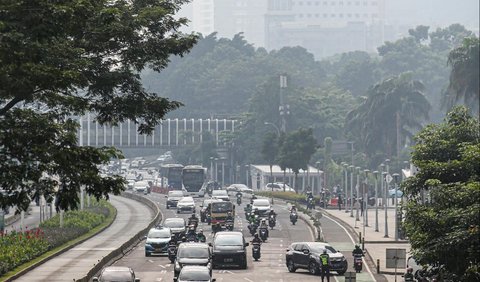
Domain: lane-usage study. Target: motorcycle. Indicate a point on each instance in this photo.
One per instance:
(293, 217)
(252, 228)
(256, 251)
(172, 253)
(193, 222)
(192, 237)
(357, 263)
(229, 225)
(239, 199)
(271, 221)
(311, 204)
(263, 233)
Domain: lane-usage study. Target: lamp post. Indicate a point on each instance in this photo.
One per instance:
(357, 218)
(365, 200)
(317, 165)
(375, 173)
(284, 109)
(211, 168)
(247, 169)
(351, 167)
(396, 178)
(345, 166)
(216, 169)
(223, 171)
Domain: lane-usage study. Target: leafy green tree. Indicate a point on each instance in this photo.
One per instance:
(389, 115)
(442, 220)
(464, 78)
(67, 58)
(420, 33)
(270, 150)
(445, 39)
(296, 150)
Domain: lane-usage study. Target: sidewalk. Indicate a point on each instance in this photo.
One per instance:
(375, 242)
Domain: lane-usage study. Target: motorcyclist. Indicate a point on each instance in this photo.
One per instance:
(256, 239)
(253, 198)
(173, 240)
(193, 220)
(357, 251)
(272, 212)
(309, 195)
(264, 225)
(229, 216)
(293, 209)
(238, 194)
(200, 236)
(191, 232)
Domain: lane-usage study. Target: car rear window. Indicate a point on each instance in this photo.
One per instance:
(159, 233)
(190, 252)
(219, 193)
(174, 224)
(228, 240)
(116, 276)
(261, 203)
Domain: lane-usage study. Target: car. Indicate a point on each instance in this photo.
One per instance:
(262, 205)
(306, 255)
(173, 197)
(186, 204)
(177, 225)
(278, 187)
(203, 208)
(116, 273)
(221, 195)
(192, 254)
(141, 186)
(237, 187)
(194, 273)
(229, 248)
(157, 241)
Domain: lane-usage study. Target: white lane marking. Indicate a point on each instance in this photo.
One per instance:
(150, 261)
(159, 279)
(167, 265)
(353, 241)
(247, 279)
(228, 271)
(163, 271)
(161, 266)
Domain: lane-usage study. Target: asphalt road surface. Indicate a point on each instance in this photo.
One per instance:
(271, 266)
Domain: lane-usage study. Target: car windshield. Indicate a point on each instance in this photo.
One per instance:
(194, 275)
(320, 248)
(261, 203)
(175, 194)
(221, 207)
(200, 252)
(229, 240)
(159, 233)
(116, 276)
(174, 224)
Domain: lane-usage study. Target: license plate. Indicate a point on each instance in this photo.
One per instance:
(228, 260)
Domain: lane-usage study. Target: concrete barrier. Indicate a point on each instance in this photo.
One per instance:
(130, 243)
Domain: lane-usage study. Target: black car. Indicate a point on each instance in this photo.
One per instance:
(192, 254)
(307, 255)
(229, 248)
(194, 273)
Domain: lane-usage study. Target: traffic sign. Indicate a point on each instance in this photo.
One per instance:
(396, 258)
(388, 178)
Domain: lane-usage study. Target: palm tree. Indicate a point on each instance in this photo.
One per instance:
(464, 78)
(393, 110)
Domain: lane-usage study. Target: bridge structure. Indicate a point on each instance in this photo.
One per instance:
(169, 133)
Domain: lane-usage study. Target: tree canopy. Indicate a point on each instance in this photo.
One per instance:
(64, 58)
(442, 219)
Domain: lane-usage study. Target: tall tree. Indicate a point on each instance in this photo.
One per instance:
(68, 58)
(442, 219)
(389, 115)
(296, 151)
(465, 77)
(270, 150)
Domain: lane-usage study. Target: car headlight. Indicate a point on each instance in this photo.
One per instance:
(177, 265)
(343, 259)
(147, 245)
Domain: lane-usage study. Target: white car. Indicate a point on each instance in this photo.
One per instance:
(141, 186)
(262, 205)
(278, 187)
(186, 204)
(221, 195)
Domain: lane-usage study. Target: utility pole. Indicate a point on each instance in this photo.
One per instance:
(284, 109)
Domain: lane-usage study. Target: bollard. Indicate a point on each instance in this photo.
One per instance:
(360, 237)
(363, 243)
(378, 266)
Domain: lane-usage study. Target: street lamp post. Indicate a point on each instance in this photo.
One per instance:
(247, 168)
(284, 109)
(365, 199)
(211, 168)
(396, 178)
(351, 167)
(345, 166)
(216, 169)
(317, 165)
(357, 217)
(223, 172)
(375, 173)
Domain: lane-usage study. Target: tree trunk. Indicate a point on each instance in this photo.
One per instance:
(398, 133)
(271, 176)
(295, 181)
(284, 177)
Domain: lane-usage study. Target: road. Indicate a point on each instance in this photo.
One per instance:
(271, 266)
(132, 216)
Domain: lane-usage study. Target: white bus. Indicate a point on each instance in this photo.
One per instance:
(194, 180)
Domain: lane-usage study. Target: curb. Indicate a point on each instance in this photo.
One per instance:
(125, 247)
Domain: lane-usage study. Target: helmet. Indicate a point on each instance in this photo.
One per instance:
(409, 270)
(200, 231)
(324, 251)
(193, 214)
(229, 213)
(248, 205)
(256, 235)
(293, 206)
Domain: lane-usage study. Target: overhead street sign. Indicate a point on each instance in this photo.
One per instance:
(396, 258)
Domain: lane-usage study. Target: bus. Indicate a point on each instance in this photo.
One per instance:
(194, 180)
(171, 176)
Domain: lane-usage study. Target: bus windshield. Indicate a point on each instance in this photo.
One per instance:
(193, 179)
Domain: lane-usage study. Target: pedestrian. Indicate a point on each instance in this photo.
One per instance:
(325, 260)
(340, 202)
